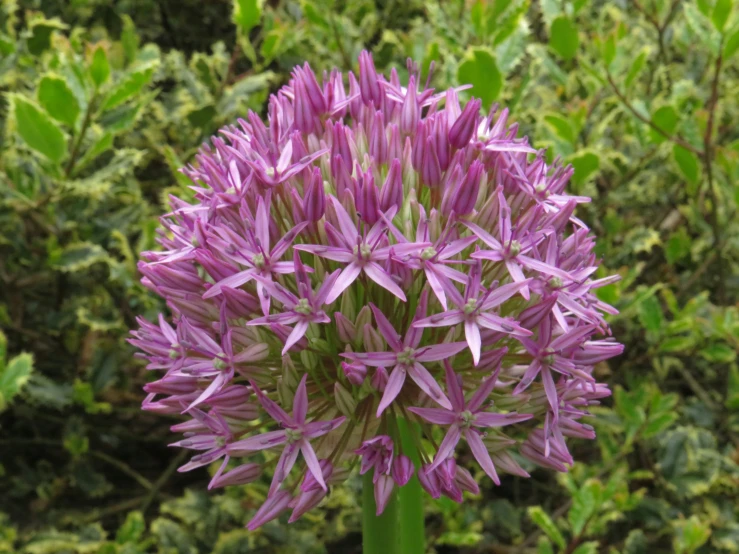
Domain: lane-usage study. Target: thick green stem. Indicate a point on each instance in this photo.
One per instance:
(412, 533)
(379, 533)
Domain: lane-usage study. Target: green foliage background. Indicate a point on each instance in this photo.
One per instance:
(103, 100)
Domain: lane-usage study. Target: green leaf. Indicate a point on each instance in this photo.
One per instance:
(544, 546)
(561, 127)
(545, 523)
(719, 353)
(690, 535)
(76, 445)
(665, 118)
(563, 37)
(58, 99)
(246, 14)
(732, 44)
(657, 425)
(14, 377)
(732, 392)
(7, 47)
(677, 246)
(650, 314)
(585, 164)
(100, 145)
(99, 66)
(132, 529)
(635, 69)
(37, 129)
(129, 38)
(701, 28)
(608, 49)
(677, 344)
(687, 163)
(721, 13)
(584, 504)
(126, 89)
(479, 69)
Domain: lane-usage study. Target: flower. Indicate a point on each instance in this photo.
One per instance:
(368, 255)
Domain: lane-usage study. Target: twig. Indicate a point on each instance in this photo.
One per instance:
(163, 478)
(122, 466)
(78, 141)
(708, 164)
(229, 71)
(98, 514)
(125, 468)
(676, 139)
(697, 388)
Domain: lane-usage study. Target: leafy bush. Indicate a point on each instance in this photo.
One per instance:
(97, 119)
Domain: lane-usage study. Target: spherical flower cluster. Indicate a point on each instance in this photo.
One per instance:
(373, 254)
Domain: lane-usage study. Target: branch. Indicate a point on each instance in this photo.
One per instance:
(674, 138)
(708, 164)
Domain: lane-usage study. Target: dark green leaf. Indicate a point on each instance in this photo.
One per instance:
(650, 314)
(687, 163)
(81, 255)
(719, 353)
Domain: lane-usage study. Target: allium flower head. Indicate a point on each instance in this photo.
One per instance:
(374, 251)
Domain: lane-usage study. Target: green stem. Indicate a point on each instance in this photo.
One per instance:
(412, 533)
(379, 533)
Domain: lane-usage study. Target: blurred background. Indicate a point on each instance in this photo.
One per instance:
(103, 100)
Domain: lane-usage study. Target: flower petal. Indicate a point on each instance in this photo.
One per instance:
(348, 275)
(392, 389)
(434, 415)
(382, 278)
(481, 454)
(428, 384)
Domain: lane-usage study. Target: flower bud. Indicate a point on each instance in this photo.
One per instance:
(383, 490)
(355, 372)
(463, 129)
(410, 111)
(379, 379)
(314, 204)
(402, 470)
(345, 402)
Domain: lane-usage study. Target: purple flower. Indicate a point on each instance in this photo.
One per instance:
(362, 254)
(407, 358)
(296, 436)
(315, 236)
(300, 310)
(474, 310)
(464, 419)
